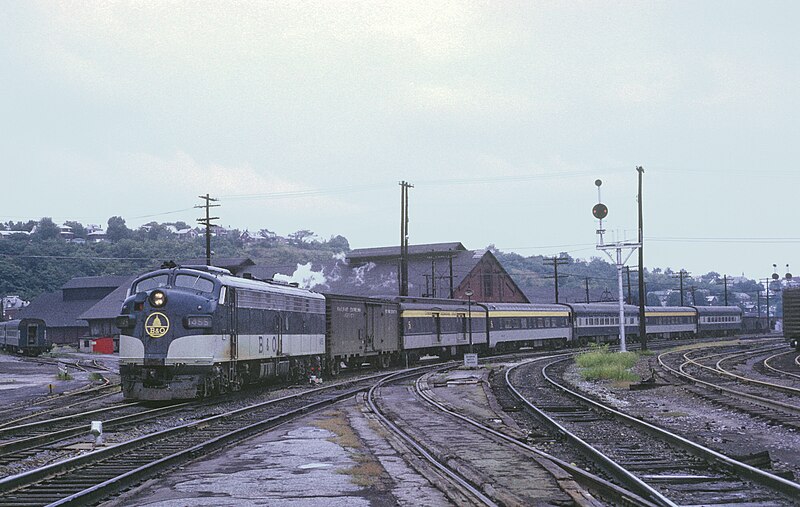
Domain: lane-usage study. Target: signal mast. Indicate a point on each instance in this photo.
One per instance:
(600, 211)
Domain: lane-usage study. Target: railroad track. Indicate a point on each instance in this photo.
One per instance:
(18, 443)
(774, 402)
(93, 476)
(661, 466)
(484, 465)
(784, 364)
(102, 386)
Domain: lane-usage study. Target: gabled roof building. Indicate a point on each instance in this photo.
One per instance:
(444, 270)
(62, 310)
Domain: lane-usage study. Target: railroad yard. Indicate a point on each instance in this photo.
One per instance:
(713, 422)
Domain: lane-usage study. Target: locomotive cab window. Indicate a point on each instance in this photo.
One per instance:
(150, 283)
(194, 282)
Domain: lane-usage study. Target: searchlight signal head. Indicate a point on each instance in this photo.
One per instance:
(600, 210)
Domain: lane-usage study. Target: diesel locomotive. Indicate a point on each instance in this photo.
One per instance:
(196, 331)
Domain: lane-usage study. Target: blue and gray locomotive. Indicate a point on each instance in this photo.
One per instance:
(199, 331)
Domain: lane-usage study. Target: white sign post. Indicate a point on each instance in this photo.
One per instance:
(471, 360)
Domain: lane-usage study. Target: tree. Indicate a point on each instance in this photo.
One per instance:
(117, 229)
(47, 229)
(77, 229)
(339, 243)
(301, 238)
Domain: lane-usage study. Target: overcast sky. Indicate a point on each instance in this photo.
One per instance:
(306, 115)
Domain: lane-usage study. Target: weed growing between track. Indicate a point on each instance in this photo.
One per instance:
(600, 364)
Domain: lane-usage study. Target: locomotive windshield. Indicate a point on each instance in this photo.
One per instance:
(150, 283)
(194, 282)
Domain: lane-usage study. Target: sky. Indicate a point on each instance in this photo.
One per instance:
(307, 115)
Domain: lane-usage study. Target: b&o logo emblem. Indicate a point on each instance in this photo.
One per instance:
(156, 325)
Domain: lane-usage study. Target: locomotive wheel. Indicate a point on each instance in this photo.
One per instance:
(385, 361)
(335, 368)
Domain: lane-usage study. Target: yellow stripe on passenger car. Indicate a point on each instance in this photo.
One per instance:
(520, 313)
(476, 313)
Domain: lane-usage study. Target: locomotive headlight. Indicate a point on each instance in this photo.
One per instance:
(158, 299)
(197, 322)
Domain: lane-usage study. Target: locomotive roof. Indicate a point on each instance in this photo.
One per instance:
(229, 280)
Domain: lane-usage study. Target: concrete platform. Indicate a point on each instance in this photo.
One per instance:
(337, 457)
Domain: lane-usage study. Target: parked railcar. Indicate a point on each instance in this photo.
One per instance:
(197, 331)
(360, 329)
(441, 327)
(670, 322)
(24, 336)
(718, 320)
(514, 325)
(599, 322)
(791, 316)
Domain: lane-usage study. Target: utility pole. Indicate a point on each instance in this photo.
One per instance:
(207, 222)
(694, 299)
(725, 281)
(451, 276)
(587, 289)
(681, 275)
(642, 293)
(555, 262)
(404, 185)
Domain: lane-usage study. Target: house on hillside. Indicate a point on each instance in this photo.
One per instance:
(62, 310)
(12, 305)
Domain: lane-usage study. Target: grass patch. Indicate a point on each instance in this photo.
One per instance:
(338, 425)
(673, 414)
(64, 376)
(95, 376)
(367, 472)
(600, 364)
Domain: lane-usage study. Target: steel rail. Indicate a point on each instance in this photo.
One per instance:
(747, 380)
(421, 450)
(625, 477)
(774, 404)
(765, 478)
(17, 482)
(781, 372)
(31, 442)
(588, 479)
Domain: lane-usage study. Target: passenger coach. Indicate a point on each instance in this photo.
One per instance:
(24, 336)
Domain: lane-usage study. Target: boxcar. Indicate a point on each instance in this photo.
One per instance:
(791, 316)
(360, 329)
